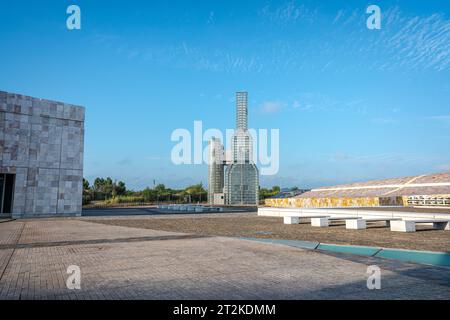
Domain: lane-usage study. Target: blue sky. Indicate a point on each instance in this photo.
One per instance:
(351, 103)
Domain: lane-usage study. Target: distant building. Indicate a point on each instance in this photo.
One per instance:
(216, 172)
(41, 157)
(289, 192)
(241, 178)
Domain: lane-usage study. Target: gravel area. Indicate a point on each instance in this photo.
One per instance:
(251, 225)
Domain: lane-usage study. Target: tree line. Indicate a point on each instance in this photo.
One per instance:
(111, 191)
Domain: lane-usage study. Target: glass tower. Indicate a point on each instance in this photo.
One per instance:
(241, 184)
(215, 169)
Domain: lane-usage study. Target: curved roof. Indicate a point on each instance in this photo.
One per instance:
(429, 184)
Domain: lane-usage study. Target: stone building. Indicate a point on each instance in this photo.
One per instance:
(41, 157)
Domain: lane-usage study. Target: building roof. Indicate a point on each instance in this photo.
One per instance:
(289, 193)
(429, 184)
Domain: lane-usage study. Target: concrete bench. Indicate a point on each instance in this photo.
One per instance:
(361, 223)
(410, 225)
(325, 221)
(296, 219)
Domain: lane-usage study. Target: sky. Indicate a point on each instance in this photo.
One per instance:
(350, 103)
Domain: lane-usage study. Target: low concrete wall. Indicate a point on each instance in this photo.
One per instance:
(365, 213)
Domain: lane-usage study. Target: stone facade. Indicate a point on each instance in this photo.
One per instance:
(42, 142)
(330, 202)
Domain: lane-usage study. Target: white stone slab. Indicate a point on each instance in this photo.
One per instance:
(291, 220)
(355, 224)
(320, 222)
(403, 226)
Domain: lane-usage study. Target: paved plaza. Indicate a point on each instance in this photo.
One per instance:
(131, 263)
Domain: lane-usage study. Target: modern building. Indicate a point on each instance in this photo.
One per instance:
(289, 193)
(215, 172)
(240, 181)
(41, 157)
(430, 190)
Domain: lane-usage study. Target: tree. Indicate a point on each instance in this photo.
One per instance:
(103, 187)
(196, 192)
(88, 194)
(119, 188)
(160, 188)
(149, 194)
(85, 184)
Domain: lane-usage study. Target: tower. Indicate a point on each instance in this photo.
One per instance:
(241, 185)
(241, 110)
(215, 171)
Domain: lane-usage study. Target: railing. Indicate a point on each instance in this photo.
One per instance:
(429, 200)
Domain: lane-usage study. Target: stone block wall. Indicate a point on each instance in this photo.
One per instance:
(42, 143)
(328, 202)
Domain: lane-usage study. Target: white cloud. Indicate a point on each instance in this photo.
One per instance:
(210, 18)
(414, 43)
(289, 12)
(270, 107)
(338, 16)
(302, 106)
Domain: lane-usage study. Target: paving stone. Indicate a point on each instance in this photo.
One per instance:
(131, 263)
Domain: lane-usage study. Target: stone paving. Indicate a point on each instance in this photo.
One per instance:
(131, 263)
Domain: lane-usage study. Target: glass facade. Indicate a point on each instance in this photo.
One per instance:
(241, 176)
(241, 110)
(242, 184)
(240, 181)
(215, 169)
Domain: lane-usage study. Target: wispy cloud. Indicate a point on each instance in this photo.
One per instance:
(380, 158)
(270, 107)
(339, 14)
(313, 101)
(404, 41)
(302, 106)
(124, 162)
(288, 12)
(210, 18)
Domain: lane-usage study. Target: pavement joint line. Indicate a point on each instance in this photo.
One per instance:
(100, 241)
(374, 255)
(12, 253)
(6, 220)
